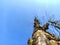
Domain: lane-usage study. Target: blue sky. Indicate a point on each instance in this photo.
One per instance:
(16, 18)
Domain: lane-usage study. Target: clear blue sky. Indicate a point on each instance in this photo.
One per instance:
(16, 18)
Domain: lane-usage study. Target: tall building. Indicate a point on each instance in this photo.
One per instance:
(41, 37)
